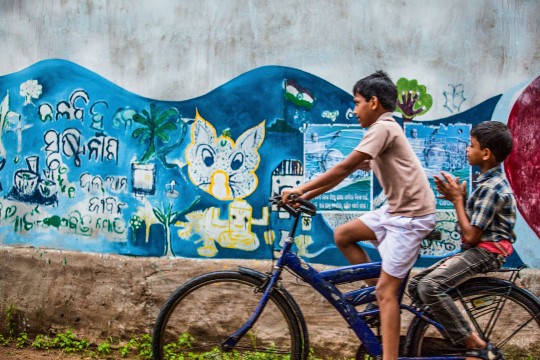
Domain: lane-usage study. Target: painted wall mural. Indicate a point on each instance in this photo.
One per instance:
(86, 165)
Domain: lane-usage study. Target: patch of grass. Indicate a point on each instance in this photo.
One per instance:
(140, 347)
(66, 341)
(104, 348)
(4, 341)
(22, 340)
(532, 352)
(9, 321)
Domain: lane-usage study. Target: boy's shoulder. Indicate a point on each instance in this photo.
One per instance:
(493, 176)
(387, 122)
(494, 181)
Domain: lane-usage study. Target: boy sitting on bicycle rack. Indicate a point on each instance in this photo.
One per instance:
(396, 229)
(485, 221)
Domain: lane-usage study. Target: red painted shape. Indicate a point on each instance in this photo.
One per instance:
(522, 167)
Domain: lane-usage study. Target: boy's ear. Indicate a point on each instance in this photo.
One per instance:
(487, 154)
(374, 102)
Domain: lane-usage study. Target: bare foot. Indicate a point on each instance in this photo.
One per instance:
(474, 342)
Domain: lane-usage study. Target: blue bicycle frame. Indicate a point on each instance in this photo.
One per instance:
(324, 282)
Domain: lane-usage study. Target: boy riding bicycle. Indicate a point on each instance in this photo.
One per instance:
(485, 221)
(397, 228)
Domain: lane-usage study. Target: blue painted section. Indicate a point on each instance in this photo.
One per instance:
(81, 170)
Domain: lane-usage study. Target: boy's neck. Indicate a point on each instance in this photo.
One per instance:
(488, 165)
(380, 111)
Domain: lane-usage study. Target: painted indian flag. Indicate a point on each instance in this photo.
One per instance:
(298, 95)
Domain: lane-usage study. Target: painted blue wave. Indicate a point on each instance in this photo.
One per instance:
(234, 107)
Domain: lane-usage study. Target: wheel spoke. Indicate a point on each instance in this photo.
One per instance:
(503, 342)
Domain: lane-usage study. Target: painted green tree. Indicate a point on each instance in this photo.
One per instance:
(413, 99)
(167, 217)
(156, 124)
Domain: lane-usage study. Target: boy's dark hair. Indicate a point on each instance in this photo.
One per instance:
(378, 84)
(495, 136)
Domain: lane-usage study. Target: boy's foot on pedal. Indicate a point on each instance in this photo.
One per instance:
(488, 353)
(372, 320)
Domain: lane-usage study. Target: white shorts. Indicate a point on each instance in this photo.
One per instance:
(398, 238)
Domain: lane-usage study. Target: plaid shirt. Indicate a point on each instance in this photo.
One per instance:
(492, 207)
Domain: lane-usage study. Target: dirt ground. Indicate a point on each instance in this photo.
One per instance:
(12, 353)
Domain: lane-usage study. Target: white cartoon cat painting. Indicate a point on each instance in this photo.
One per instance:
(219, 165)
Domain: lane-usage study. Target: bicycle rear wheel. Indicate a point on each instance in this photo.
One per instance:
(205, 311)
(504, 314)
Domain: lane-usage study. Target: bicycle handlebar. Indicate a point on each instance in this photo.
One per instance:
(305, 206)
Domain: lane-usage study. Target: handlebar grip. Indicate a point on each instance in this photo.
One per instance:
(305, 206)
(276, 200)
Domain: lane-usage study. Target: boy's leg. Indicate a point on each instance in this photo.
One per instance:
(451, 272)
(387, 297)
(399, 250)
(346, 237)
(415, 280)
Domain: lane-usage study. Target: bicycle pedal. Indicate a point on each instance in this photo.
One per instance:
(373, 321)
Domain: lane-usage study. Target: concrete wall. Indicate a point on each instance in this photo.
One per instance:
(105, 295)
(175, 50)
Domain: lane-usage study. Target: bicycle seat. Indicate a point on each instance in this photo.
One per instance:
(434, 235)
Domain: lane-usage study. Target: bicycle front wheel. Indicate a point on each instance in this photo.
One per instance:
(502, 313)
(200, 315)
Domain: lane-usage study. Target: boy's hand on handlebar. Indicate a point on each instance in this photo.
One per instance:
(287, 193)
(293, 201)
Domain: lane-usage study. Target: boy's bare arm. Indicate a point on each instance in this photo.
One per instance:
(453, 191)
(365, 166)
(329, 178)
(316, 192)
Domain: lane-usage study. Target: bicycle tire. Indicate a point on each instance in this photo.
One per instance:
(211, 307)
(521, 308)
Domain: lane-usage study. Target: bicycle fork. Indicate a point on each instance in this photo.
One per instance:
(230, 343)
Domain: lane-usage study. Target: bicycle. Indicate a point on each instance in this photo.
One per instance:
(246, 311)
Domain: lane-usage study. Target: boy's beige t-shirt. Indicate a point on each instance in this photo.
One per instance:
(397, 168)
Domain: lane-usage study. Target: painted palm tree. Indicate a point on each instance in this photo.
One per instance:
(155, 124)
